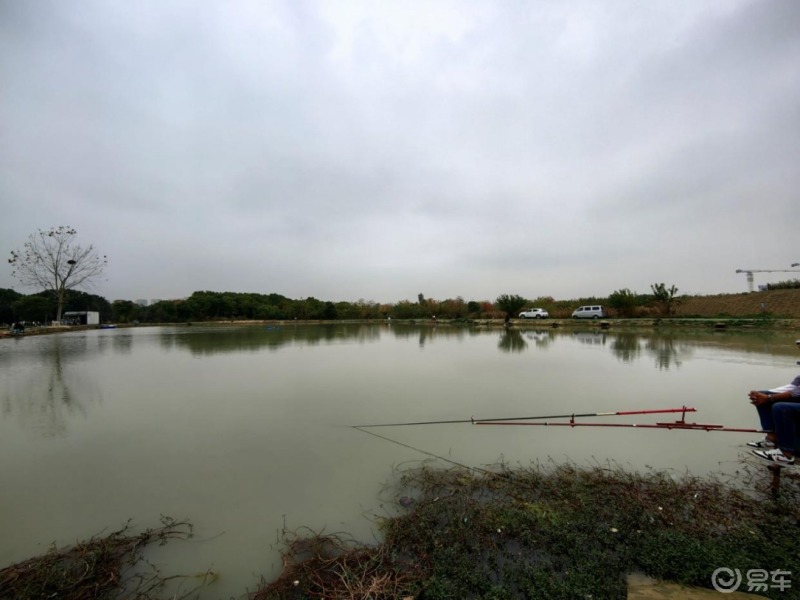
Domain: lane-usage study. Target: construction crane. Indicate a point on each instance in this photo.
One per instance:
(749, 273)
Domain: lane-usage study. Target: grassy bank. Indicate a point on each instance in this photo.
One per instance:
(555, 532)
(551, 533)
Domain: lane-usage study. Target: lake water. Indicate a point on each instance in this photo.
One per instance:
(243, 430)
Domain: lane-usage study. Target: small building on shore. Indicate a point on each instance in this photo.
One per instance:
(81, 317)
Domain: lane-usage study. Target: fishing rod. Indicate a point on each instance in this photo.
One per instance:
(666, 425)
(679, 424)
(572, 416)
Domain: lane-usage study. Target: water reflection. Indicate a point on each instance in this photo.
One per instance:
(667, 351)
(43, 399)
(511, 340)
(214, 340)
(625, 346)
(630, 346)
(221, 339)
(44, 382)
(541, 338)
(428, 333)
(253, 417)
(121, 342)
(592, 338)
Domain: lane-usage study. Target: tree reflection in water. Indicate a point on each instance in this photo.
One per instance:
(625, 346)
(629, 346)
(222, 339)
(42, 400)
(667, 351)
(511, 340)
(664, 349)
(46, 382)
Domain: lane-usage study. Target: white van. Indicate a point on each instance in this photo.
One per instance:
(589, 312)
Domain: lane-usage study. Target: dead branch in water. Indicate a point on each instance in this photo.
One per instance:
(100, 568)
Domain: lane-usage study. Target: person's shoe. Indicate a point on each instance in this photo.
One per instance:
(776, 457)
(765, 443)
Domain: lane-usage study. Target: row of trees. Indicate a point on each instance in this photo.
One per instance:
(52, 261)
(661, 301)
(210, 306)
(791, 284)
(623, 303)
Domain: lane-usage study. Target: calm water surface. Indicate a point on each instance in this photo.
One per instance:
(243, 430)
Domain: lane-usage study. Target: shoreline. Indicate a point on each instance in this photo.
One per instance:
(496, 532)
(657, 324)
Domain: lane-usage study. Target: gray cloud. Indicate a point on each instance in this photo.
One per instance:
(352, 150)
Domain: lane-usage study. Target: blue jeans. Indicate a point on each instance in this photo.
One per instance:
(782, 419)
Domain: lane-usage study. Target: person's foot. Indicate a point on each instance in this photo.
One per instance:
(776, 457)
(762, 444)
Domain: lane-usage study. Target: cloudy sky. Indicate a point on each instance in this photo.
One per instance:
(358, 149)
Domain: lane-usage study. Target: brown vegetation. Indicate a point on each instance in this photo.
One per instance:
(101, 568)
(776, 303)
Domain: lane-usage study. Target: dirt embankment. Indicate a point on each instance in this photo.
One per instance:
(775, 303)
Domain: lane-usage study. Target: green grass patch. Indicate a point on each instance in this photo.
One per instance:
(554, 533)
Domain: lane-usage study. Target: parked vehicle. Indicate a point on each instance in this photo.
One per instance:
(589, 312)
(534, 313)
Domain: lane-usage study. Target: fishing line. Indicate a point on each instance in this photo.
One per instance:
(415, 423)
(514, 483)
(431, 454)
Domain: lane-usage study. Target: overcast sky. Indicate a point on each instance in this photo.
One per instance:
(378, 150)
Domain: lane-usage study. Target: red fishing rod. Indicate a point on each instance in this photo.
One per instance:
(680, 424)
(674, 425)
(619, 413)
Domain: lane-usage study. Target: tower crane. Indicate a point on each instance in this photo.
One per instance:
(749, 273)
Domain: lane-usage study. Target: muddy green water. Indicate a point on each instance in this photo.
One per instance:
(245, 429)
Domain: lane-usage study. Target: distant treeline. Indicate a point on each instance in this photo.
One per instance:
(793, 284)
(211, 306)
(224, 306)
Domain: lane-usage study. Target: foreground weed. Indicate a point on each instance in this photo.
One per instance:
(558, 532)
(101, 568)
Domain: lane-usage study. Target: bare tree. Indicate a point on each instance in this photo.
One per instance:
(52, 261)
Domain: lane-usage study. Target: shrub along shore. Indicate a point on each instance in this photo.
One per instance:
(552, 531)
(211, 306)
